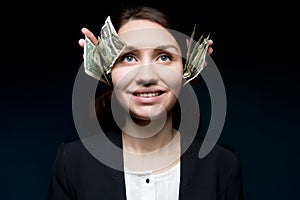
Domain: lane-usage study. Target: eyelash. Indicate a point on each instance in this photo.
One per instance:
(169, 57)
(125, 56)
(131, 56)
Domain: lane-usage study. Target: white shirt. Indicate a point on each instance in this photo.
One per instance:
(149, 186)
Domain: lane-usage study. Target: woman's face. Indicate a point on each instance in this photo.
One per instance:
(148, 74)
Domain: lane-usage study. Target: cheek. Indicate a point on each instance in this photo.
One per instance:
(177, 68)
(173, 75)
(117, 74)
(174, 80)
(122, 77)
(114, 77)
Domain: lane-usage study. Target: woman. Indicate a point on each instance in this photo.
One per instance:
(146, 81)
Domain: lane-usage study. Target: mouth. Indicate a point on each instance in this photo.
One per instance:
(147, 94)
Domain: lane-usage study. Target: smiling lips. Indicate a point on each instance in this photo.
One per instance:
(148, 96)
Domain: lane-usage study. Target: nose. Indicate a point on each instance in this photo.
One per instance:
(146, 75)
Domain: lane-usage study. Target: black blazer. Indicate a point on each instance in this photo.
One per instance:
(77, 174)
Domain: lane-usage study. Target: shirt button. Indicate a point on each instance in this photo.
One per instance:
(147, 180)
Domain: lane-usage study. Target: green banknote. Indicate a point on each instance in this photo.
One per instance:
(196, 55)
(100, 58)
(90, 66)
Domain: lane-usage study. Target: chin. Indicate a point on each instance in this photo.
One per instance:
(148, 116)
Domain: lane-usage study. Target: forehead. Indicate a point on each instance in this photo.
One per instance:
(145, 34)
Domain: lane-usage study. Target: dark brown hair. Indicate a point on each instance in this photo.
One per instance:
(142, 12)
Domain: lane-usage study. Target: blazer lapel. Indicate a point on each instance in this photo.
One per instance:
(187, 165)
(118, 176)
(185, 175)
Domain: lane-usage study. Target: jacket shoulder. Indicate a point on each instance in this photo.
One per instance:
(219, 153)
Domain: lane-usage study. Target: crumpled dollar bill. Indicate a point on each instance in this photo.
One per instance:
(100, 58)
(196, 56)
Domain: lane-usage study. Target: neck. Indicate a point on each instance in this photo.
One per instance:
(147, 136)
(155, 153)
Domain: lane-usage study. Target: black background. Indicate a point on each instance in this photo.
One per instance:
(255, 48)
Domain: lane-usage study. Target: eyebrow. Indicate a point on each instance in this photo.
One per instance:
(129, 48)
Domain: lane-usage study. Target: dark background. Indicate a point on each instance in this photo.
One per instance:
(255, 48)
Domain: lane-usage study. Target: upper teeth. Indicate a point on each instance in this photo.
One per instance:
(152, 94)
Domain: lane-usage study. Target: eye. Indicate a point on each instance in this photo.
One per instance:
(128, 58)
(164, 58)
